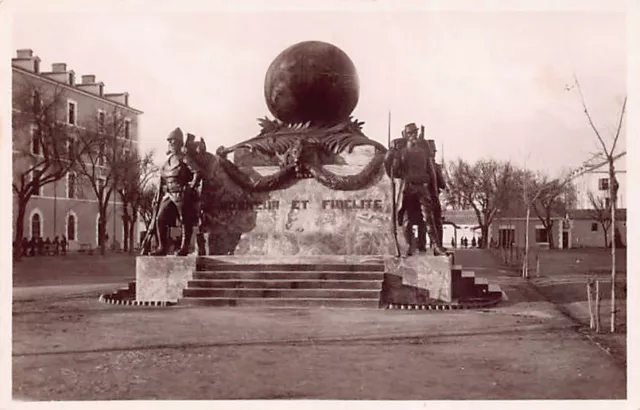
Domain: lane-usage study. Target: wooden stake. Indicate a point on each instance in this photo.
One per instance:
(592, 324)
(597, 306)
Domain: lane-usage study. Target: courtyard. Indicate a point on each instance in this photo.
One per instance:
(68, 346)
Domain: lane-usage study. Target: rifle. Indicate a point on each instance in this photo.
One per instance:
(433, 173)
(394, 206)
(146, 242)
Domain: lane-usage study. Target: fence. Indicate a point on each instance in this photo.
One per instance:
(513, 256)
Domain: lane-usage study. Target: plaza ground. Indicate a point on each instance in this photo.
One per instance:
(67, 346)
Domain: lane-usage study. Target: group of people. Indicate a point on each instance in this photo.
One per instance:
(464, 242)
(39, 247)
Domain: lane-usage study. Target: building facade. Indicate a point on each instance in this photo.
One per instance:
(68, 207)
(593, 178)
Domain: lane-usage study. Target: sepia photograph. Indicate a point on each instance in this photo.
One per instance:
(346, 201)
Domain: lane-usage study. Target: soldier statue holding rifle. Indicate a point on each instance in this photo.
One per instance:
(177, 198)
(412, 159)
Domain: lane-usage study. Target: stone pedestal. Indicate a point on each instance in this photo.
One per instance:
(162, 278)
(308, 218)
(412, 277)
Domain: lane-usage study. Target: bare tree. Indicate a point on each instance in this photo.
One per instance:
(601, 212)
(555, 196)
(40, 135)
(146, 204)
(102, 156)
(136, 173)
(485, 186)
(608, 153)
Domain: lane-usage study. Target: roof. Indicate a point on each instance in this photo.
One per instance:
(522, 214)
(588, 214)
(76, 89)
(460, 216)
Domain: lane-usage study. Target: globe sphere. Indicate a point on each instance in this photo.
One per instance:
(311, 81)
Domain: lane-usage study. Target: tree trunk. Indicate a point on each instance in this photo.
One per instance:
(613, 195)
(125, 228)
(102, 230)
(550, 235)
(484, 230)
(22, 210)
(131, 233)
(606, 236)
(525, 263)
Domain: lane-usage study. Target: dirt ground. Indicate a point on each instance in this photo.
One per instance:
(67, 346)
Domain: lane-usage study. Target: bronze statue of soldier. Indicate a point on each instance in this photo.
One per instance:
(177, 195)
(412, 159)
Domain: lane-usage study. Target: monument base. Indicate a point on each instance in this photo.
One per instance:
(417, 279)
(163, 278)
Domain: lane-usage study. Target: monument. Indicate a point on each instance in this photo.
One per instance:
(310, 190)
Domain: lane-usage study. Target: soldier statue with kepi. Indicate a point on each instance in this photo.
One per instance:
(176, 199)
(412, 159)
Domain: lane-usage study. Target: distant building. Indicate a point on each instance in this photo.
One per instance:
(593, 177)
(460, 224)
(587, 231)
(64, 208)
(508, 229)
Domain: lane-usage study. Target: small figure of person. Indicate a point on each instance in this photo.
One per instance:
(40, 246)
(453, 242)
(47, 246)
(32, 246)
(473, 242)
(63, 245)
(25, 246)
(56, 246)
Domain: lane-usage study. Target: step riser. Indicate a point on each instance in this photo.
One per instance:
(290, 275)
(277, 293)
(210, 266)
(256, 284)
(283, 303)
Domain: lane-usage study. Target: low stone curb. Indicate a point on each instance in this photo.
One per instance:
(112, 299)
(443, 306)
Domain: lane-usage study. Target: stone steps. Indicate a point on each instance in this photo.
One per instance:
(282, 302)
(285, 285)
(283, 293)
(212, 265)
(289, 275)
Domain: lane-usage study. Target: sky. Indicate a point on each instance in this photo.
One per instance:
(485, 84)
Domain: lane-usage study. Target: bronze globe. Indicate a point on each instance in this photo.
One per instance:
(312, 82)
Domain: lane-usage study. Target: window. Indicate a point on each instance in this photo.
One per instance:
(36, 146)
(36, 225)
(594, 227)
(541, 235)
(71, 227)
(506, 236)
(101, 121)
(37, 101)
(35, 178)
(72, 112)
(603, 184)
(127, 129)
(71, 185)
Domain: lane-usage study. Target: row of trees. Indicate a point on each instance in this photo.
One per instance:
(489, 186)
(96, 151)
